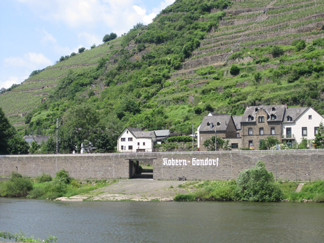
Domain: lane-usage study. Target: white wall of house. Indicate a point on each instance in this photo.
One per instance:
(198, 137)
(128, 143)
(309, 120)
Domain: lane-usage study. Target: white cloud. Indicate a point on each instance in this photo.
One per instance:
(12, 80)
(89, 39)
(29, 60)
(117, 15)
(47, 38)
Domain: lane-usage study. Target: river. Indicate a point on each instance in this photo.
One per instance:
(164, 221)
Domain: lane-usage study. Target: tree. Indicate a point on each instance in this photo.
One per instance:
(235, 70)
(300, 45)
(110, 37)
(267, 143)
(277, 51)
(10, 141)
(34, 147)
(82, 49)
(257, 185)
(257, 77)
(319, 137)
(210, 143)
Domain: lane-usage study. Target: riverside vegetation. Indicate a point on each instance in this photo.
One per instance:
(171, 73)
(46, 187)
(254, 185)
(20, 237)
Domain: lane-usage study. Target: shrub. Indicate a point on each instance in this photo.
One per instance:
(198, 110)
(73, 54)
(184, 197)
(179, 139)
(208, 107)
(300, 45)
(277, 51)
(319, 198)
(257, 185)
(17, 186)
(44, 178)
(262, 59)
(235, 70)
(257, 77)
(55, 189)
(82, 49)
(107, 37)
(295, 42)
(63, 176)
(75, 184)
(37, 192)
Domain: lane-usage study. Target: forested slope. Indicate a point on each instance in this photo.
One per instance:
(197, 56)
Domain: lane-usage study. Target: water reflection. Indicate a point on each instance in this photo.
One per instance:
(164, 222)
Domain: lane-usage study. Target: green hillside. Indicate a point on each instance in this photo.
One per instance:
(197, 56)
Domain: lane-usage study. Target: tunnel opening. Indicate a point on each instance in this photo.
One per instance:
(141, 169)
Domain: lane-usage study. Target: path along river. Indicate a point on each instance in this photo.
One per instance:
(164, 221)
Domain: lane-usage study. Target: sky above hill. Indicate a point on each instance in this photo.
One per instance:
(36, 33)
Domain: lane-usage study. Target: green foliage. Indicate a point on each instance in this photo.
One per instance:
(10, 141)
(140, 47)
(179, 139)
(205, 70)
(303, 144)
(44, 178)
(319, 137)
(262, 60)
(300, 45)
(210, 143)
(109, 37)
(267, 143)
(257, 185)
(277, 51)
(17, 186)
(20, 237)
(63, 176)
(235, 70)
(82, 49)
(184, 198)
(198, 110)
(257, 77)
(34, 147)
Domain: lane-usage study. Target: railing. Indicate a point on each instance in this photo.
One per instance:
(288, 136)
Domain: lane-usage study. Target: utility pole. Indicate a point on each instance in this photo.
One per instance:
(57, 136)
(193, 136)
(215, 137)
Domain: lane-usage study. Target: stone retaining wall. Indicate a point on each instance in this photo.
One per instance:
(301, 165)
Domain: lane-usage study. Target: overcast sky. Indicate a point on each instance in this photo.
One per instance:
(36, 33)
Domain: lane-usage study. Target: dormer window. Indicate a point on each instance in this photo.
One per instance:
(256, 109)
(274, 108)
(289, 118)
(208, 124)
(250, 118)
(261, 119)
(218, 123)
(273, 117)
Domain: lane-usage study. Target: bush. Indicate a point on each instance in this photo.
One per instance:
(17, 186)
(82, 49)
(235, 70)
(63, 176)
(184, 197)
(37, 192)
(75, 184)
(179, 139)
(208, 107)
(295, 42)
(300, 45)
(198, 110)
(262, 59)
(277, 51)
(110, 37)
(44, 178)
(257, 77)
(257, 185)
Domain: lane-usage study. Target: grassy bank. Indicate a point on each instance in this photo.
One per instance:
(224, 191)
(46, 187)
(255, 185)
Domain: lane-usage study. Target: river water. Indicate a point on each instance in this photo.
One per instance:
(164, 221)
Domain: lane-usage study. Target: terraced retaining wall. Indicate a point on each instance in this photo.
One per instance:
(303, 165)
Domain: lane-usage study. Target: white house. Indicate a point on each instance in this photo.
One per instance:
(133, 140)
(299, 123)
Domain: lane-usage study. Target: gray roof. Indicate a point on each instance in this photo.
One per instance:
(277, 110)
(162, 133)
(144, 134)
(37, 138)
(223, 119)
(294, 113)
(134, 129)
(237, 121)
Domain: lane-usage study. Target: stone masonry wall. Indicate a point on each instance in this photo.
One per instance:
(303, 165)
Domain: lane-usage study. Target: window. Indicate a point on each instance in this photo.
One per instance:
(127, 132)
(304, 131)
(130, 147)
(273, 131)
(261, 131)
(250, 118)
(234, 145)
(122, 147)
(123, 139)
(130, 139)
(143, 143)
(288, 132)
(261, 119)
(218, 123)
(256, 109)
(316, 130)
(310, 117)
(250, 144)
(237, 134)
(138, 143)
(289, 118)
(250, 131)
(273, 117)
(274, 108)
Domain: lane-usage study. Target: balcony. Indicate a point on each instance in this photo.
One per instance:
(288, 137)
